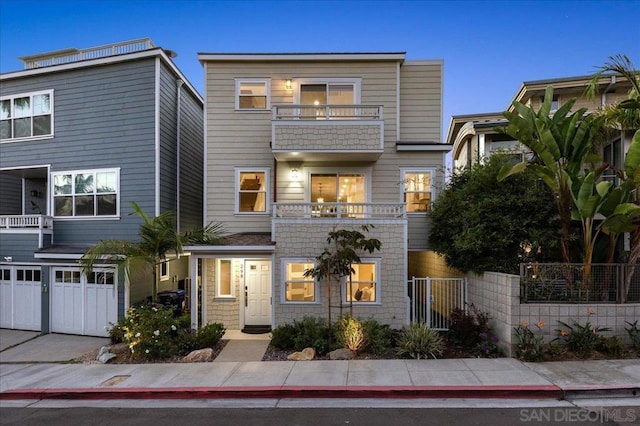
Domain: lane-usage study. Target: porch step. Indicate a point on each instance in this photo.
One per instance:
(256, 329)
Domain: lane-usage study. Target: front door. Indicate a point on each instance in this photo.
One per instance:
(257, 289)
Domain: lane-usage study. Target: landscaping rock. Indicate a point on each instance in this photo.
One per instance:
(106, 357)
(201, 355)
(103, 350)
(307, 354)
(342, 353)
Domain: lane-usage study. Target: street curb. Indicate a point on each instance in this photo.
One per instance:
(230, 392)
(600, 391)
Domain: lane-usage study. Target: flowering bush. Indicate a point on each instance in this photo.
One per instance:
(487, 347)
(150, 332)
(530, 345)
(582, 339)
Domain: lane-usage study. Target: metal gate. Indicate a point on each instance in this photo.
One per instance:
(433, 299)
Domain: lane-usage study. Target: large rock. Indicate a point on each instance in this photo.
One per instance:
(306, 354)
(106, 357)
(342, 353)
(201, 355)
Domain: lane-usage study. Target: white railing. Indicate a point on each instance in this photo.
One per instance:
(433, 300)
(33, 221)
(339, 210)
(327, 112)
(74, 55)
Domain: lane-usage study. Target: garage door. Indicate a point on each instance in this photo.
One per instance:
(20, 297)
(83, 305)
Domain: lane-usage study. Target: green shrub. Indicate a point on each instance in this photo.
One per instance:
(466, 326)
(350, 334)
(209, 335)
(151, 332)
(613, 346)
(581, 339)
(417, 341)
(282, 337)
(378, 337)
(530, 345)
(309, 331)
(634, 335)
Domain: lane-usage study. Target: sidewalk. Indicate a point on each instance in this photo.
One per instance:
(445, 378)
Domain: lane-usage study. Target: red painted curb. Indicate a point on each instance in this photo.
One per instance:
(503, 392)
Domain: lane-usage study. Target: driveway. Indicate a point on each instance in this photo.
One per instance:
(30, 346)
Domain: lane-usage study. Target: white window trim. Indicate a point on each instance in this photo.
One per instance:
(403, 174)
(267, 88)
(75, 172)
(232, 286)
(355, 81)
(365, 171)
(345, 284)
(167, 273)
(267, 177)
(32, 94)
(283, 287)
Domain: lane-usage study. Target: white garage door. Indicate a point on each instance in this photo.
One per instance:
(20, 297)
(83, 305)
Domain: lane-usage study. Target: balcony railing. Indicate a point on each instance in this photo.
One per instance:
(75, 55)
(340, 210)
(33, 221)
(327, 112)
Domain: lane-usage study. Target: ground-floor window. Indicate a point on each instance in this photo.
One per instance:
(363, 287)
(297, 287)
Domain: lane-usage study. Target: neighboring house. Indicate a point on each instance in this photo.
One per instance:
(474, 136)
(83, 133)
(297, 145)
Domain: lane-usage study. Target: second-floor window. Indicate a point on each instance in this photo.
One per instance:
(28, 115)
(252, 94)
(86, 193)
(252, 190)
(418, 189)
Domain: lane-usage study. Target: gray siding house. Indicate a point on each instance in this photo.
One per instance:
(83, 133)
(298, 145)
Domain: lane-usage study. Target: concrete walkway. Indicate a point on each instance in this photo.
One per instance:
(445, 378)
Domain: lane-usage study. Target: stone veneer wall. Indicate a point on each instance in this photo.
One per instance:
(499, 295)
(300, 239)
(221, 310)
(327, 137)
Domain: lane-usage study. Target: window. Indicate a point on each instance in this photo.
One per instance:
(338, 188)
(91, 193)
(251, 190)
(418, 189)
(252, 94)
(164, 271)
(613, 156)
(224, 287)
(297, 287)
(26, 116)
(322, 92)
(31, 275)
(98, 278)
(364, 287)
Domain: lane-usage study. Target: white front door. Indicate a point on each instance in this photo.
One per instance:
(257, 283)
(20, 297)
(83, 305)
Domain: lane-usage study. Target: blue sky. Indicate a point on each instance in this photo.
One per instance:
(489, 47)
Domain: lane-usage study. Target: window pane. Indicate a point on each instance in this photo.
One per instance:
(224, 278)
(92, 278)
(340, 94)
(41, 104)
(84, 183)
(22, 127)
(36, 275)
(28, 275)
(252, 181)
(42, 125)
(313, 94)
(84, 205)
(20, 275)
(109, 278)
(106, 205)
(5, 109)
(252, 202)
(61, 184)
(106, 182)
(5, 129)
(21, 107)
(63, 206)
(253, 102)
(59, 276)
(299, 288)
(257, 88)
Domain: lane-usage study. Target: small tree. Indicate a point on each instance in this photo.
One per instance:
(479, 224)
(336, 260)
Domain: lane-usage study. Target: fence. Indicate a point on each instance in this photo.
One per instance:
(579, 283)
(433, 300)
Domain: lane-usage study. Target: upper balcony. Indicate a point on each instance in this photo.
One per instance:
(327, 132)
(24, 233)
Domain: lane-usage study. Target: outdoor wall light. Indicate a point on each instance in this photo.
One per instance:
(295, 174)
(288, 84)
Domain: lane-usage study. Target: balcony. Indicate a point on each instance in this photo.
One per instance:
(25, 232)
(344, 211)
(327, 132)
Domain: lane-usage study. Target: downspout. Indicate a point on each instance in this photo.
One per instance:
(603, 98)
(179, 84)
